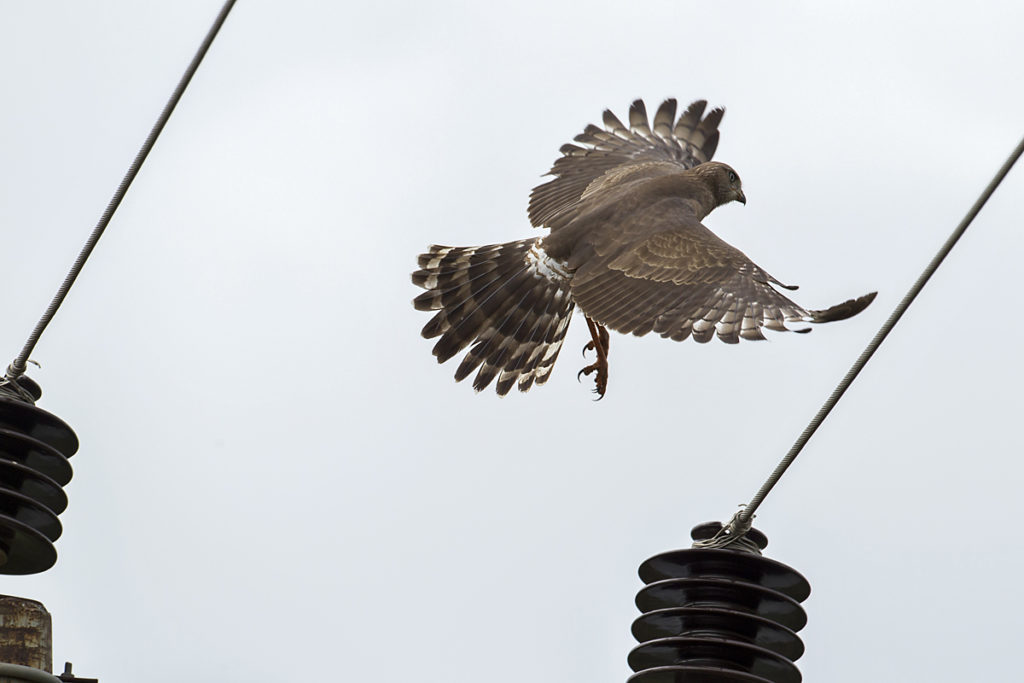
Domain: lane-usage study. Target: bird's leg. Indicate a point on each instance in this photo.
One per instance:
(604, 338)
(599, 342)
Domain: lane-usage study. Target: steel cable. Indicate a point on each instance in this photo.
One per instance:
(741, 520)
(17, 366)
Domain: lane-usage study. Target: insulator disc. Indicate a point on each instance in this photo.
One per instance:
(34, 451)
(723, 594)
(29, 385)
(711, 651)
(38, 424)
(736, 625)
(30, 512)
(726, 564)
(34, 484)
(25, 550)
(694, 674)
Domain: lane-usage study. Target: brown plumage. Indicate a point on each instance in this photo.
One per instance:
(626, 245)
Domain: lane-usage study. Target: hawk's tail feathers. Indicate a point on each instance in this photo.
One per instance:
(507, 300)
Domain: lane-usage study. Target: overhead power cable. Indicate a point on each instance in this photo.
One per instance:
(741, 521)
(17, 367)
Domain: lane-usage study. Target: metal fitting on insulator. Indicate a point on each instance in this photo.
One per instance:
(718, 616)
(34, 450)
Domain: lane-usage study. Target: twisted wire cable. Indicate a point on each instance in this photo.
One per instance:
(747, 513)
(17, 366)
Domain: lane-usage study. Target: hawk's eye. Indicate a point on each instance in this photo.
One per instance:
(732, 177)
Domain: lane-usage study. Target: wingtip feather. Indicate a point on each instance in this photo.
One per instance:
(847, 309)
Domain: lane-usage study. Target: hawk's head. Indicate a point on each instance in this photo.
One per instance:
(723, 181)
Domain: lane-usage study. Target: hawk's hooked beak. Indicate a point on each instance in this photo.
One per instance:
(741, 198)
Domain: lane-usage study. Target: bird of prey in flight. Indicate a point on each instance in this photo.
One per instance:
(626, 245)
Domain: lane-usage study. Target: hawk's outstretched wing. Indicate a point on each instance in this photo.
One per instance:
(659, 269)
(688, 141)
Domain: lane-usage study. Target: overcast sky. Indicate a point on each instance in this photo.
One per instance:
(277, 482)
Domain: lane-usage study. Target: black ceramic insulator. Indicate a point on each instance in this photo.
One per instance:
(34, 450)
(718, 616)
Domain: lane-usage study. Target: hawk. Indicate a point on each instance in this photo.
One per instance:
(626, 245)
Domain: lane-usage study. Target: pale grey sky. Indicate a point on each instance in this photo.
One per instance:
(276, 480)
